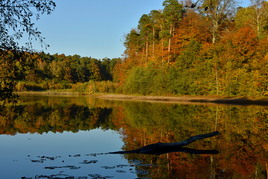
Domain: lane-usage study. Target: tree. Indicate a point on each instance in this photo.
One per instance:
(172, 12)
(16, 21)
(158, 22)
(260, 16)
(132, 44)
(157, 25)
(255, 16)
(145, 28)
(219, 11)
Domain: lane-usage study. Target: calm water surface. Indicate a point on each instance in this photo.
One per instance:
(69, 137)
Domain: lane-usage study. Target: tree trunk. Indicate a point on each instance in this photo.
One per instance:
(153, 43)
(146, 49)
(169, 41)
(215, 31)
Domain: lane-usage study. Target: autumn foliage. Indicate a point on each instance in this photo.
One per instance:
(185, 60)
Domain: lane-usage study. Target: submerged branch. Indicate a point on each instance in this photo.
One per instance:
(162, 148)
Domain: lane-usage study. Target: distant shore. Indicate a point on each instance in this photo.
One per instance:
(168, 99)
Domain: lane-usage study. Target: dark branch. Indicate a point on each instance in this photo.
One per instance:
(162, 148)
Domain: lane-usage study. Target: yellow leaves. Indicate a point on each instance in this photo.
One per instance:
(265, 146)
(266, 57)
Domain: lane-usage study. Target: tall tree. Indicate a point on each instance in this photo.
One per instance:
(158, 22)
(219, 11)
(260, 16)
(145, 28)
(156, 18)
(172, 13)
(132, 44)
(255, 16)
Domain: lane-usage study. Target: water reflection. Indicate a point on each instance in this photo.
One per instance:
(75, 131)
(60, 155)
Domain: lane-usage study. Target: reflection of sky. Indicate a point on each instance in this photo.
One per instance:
(17, 152)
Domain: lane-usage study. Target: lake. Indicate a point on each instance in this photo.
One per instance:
(71, 137)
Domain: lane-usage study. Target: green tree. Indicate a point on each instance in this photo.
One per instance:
(156, 21)
(133, 44)
(255, 16)
(158, 32)
(172, 13)
(145, 28)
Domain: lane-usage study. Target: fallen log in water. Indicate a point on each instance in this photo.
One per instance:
(162, 148)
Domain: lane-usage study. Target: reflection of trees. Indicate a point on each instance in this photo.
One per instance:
(245, 140)
(56, 118)
(242, 143)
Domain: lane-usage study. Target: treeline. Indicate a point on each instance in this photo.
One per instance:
(40, 71)
(212, 49)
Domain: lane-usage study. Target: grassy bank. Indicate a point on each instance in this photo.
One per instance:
(90, 87)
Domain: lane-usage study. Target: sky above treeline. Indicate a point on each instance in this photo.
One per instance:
(94, 28)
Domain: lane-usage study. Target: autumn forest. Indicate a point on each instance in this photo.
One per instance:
(213, 49)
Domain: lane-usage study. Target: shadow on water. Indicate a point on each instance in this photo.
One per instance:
(150, 128)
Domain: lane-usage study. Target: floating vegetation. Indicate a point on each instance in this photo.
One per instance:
(76, 155)
(42, 159)
(108, 167)
(58, 176)
(89, 161)
(71, 167)
(98, 176)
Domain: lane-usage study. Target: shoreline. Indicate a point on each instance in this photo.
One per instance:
(190, 99)
(166, 99)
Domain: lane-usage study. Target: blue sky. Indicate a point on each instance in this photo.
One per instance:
(93, 28)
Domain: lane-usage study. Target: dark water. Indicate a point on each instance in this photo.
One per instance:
(69, 137)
